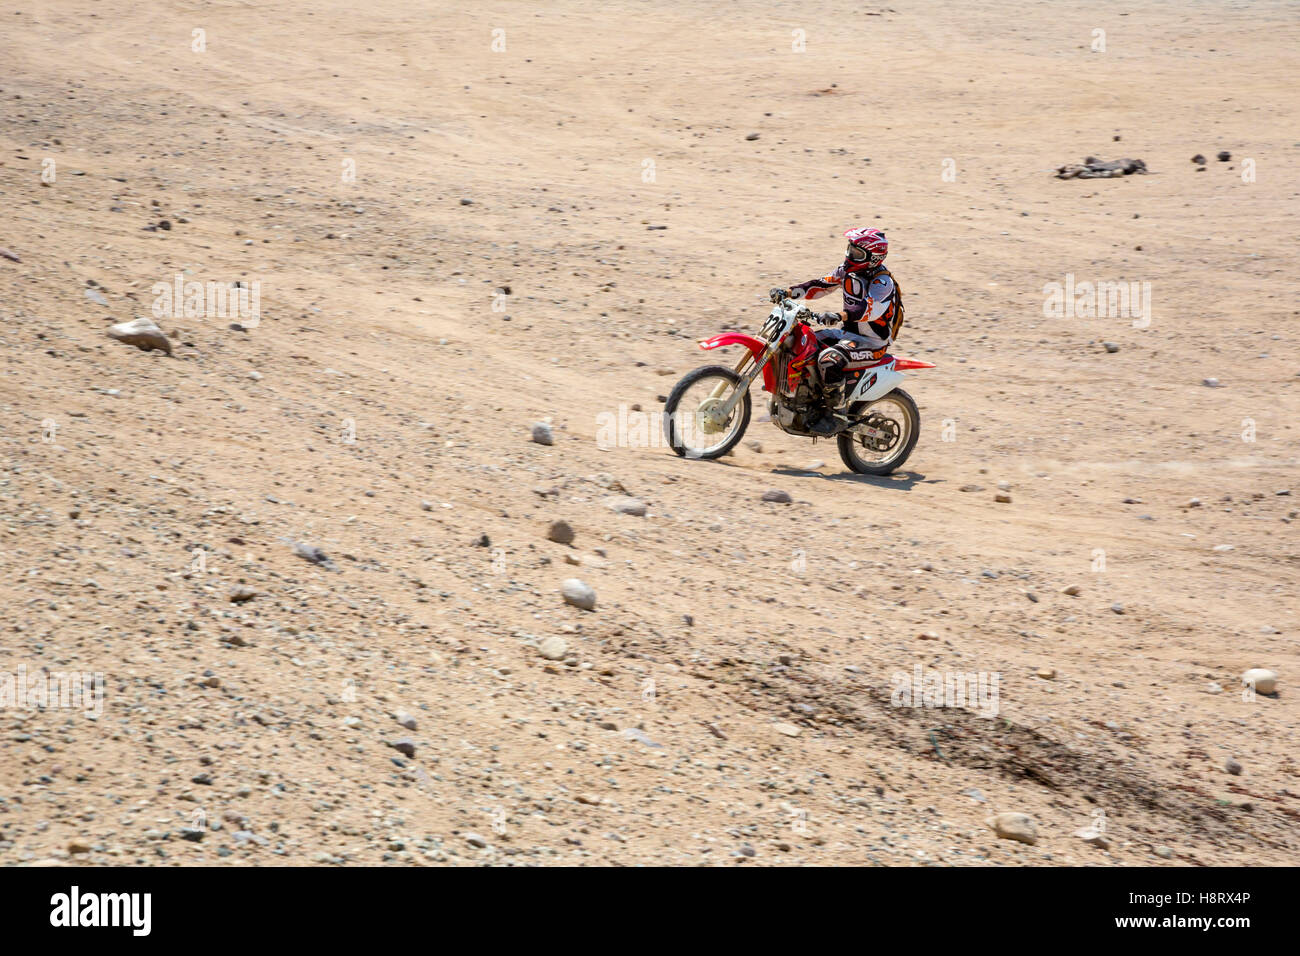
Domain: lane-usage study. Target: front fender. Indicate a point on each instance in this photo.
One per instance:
(755, 346)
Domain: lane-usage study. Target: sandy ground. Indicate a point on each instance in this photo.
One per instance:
(730, 699)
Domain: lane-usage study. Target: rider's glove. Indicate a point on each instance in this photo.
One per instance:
(776, 295)
(827, 318)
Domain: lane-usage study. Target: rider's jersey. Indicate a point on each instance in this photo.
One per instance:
(872, 298)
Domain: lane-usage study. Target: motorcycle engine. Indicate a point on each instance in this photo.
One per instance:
(793, 414)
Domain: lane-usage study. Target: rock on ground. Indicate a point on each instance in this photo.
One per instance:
(143, 333)
(579, 594)
(1014, 826)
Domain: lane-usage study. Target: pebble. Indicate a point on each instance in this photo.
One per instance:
(404, 719)
(241, 593)
(143, 333)
(1264, 681)
(1073, 590)
(1094, 837)
(1014, 826)
(1233, 766)
(1002, 498)
(776, 496)
(578, 593)
(626, 505)
(542, 434)
(553, 648)
(473, 839)
(309, 552)
(404, 746)
(632, 733)
(1210, 382)
(561, 532)
(790, 730)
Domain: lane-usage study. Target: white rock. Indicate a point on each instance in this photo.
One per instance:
(553, 648)
(1093, 836)
(143, 333)
(1014, 826)
(578, 593)
(1264, 681)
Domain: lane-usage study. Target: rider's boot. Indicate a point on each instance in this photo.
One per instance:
(830, 423)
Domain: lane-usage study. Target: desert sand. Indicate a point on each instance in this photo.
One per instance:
(463, 220)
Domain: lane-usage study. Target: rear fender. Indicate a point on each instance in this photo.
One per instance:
(876, 382)
(755, 346)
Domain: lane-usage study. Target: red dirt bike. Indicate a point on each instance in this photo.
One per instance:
(708, 410)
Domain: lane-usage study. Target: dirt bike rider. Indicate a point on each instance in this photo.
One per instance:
(873, 313)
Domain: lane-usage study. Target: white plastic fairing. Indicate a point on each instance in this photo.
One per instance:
(876, 382)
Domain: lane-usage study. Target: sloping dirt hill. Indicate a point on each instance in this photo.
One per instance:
(302, 526)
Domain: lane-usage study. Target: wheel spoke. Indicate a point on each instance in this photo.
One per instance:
(887, 435)
(697, 423)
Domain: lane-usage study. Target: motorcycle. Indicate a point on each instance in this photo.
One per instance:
(708, 411)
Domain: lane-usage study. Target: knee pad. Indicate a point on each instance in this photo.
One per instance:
(832, 363)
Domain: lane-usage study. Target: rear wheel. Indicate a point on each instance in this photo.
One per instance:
(884, 441)
(693, 421)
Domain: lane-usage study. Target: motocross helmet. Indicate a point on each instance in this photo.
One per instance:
(866, 250)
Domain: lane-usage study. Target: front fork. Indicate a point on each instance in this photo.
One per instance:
(746, 379)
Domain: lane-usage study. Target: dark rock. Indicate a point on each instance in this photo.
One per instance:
(404, 746)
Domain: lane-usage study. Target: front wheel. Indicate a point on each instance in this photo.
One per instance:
(693, 420)
(884, 440)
